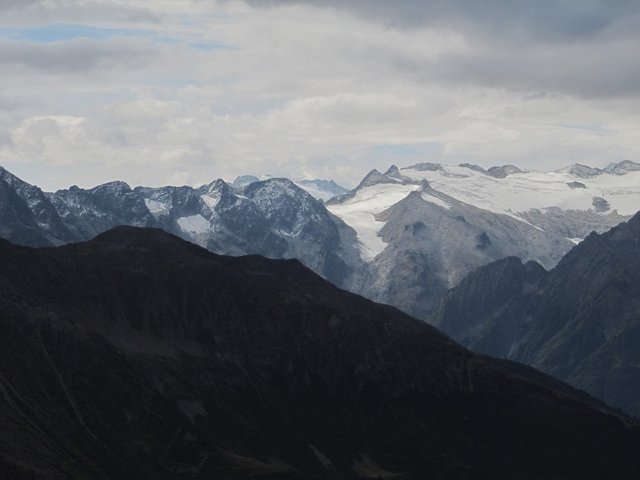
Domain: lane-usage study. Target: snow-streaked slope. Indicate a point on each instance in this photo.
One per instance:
(361, 209)
(520, 192)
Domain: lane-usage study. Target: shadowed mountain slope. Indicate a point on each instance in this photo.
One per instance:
(579, 322)
(138, 355)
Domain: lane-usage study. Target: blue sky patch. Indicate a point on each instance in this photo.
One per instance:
(56, 32)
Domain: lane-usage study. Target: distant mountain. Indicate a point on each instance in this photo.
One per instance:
(273, 217)
(403, 236)
(618, 168)
(322, 189)
(140, 356)
(319, 189)
(503, 171)
(27, 216)
(244, 180)
(580, 322)
(423, 228)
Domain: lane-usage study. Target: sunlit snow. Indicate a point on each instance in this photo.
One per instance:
(359, 212)
(520, 192)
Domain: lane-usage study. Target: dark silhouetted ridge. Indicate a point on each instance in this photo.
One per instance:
(139, 356)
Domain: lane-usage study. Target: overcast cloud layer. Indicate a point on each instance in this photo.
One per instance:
(167, 91)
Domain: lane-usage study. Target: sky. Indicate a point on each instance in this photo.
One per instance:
(159, 92)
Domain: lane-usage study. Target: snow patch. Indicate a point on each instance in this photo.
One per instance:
(520, 192)
(195, 224)
(360, 212)
(211, 199)
(156, 208)
(435, 200)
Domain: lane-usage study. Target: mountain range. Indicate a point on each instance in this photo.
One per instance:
(274, 218)
(137, 355)
(402, 237)
(579, 322)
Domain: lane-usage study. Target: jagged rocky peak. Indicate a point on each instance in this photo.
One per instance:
(414, 197)
(27, 214)
(391, 176)
(217, 185)
(20, 185)
(10, 178)
(394, 172)
(329, 186)
(115, 191)
(217, 193)
(425, 167)
(503, 171)
(425, 186)
(4, 173)
(582, 171)
(474, 167)
(374, 177)
(622, 168)
(280, 198)
(279, 186)
(244, 180)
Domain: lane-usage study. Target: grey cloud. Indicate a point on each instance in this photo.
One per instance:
(593, 72)
(17, 4)
(586, 49)
(519, 20)
(8, 104)
(77, 55)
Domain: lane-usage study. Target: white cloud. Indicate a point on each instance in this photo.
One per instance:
(191, 91)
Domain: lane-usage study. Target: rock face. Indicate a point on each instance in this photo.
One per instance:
(580, 322)
(27, 216)
(430, 248)
(274, 218)
(140, 356)
(503, 171)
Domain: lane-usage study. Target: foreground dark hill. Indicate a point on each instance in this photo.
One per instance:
(579, 322)
(140, 356)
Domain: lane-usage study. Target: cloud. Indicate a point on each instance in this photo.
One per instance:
(198, 90)
(30, 12)
(544, 20)
(8, 5)
(76, 55)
